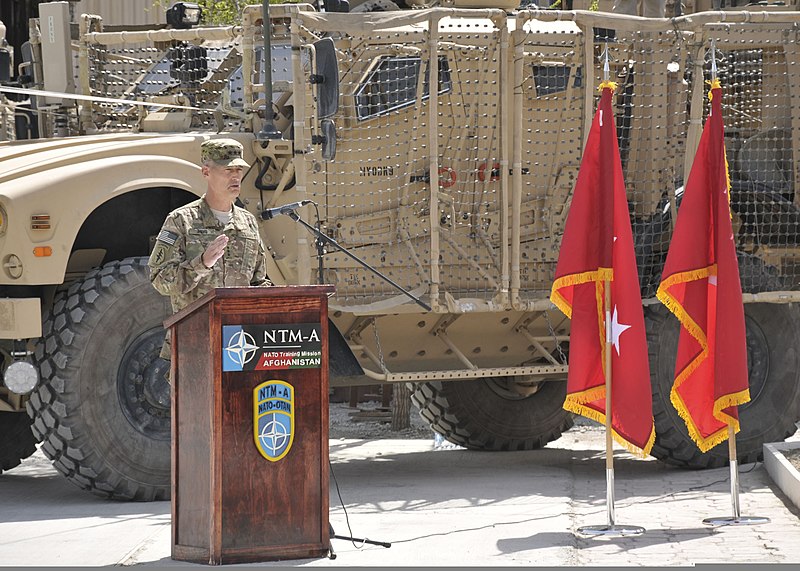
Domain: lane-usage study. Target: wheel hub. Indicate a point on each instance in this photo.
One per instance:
(156, 384)
(143, 387)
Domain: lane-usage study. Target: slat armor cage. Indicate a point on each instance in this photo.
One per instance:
(460, 193)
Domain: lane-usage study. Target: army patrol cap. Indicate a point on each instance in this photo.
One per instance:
(224, 152)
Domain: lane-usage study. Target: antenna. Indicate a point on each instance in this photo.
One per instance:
(268, 130)
(713, 59)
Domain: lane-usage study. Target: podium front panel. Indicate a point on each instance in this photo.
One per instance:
(253, 482)
(281, 504)
(272, 508)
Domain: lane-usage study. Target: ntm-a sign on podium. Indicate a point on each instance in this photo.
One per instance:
(250, 425)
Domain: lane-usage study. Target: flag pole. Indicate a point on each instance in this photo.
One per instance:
(736, 519)
(734, 465)
(609, 439)
(608, 369)
(611, 529)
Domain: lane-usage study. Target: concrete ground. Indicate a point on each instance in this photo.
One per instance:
(444, 507)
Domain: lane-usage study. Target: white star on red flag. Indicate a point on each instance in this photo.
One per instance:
(617, 329)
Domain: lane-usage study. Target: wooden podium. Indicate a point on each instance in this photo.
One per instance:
(250, 425)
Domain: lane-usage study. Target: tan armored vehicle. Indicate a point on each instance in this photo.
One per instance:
(457, 193)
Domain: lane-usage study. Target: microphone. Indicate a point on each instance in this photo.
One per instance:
(271, 213)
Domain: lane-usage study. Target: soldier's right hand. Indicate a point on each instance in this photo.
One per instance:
(215, 250)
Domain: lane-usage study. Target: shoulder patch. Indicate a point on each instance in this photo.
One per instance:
(167, 237)
(159, 254)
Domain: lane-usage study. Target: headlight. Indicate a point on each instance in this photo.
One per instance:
(184, 15)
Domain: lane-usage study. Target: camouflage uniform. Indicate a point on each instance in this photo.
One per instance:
(176, 265)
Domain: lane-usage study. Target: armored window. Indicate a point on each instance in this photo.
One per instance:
(392, 85)
(551, 79)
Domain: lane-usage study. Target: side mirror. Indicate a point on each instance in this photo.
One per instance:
(326, 78)
(328, 139)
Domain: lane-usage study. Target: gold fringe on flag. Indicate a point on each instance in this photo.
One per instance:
(703, 443)
(577, 403)
(576, 279)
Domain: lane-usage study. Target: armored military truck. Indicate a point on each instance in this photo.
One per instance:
(457, 193)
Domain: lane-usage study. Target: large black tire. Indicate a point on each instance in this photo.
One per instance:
(773, 358)
(102, 407)
(16, 439)
(485, 414)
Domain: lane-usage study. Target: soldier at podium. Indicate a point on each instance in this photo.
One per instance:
(211, 242)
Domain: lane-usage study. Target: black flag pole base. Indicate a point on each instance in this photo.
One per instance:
(741, 520)
(614, 530)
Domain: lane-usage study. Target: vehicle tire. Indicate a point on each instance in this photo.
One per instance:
(485, 414)
(773, 358)
(17, 441)
(102, 407)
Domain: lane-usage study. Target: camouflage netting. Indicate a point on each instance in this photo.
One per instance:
(471, 207)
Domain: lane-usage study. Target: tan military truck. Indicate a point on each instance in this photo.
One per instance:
(457, 194)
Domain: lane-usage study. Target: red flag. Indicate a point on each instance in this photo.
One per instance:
(597, 248)
(700, 284)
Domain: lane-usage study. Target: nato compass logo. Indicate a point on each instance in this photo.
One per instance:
(239, 348)
(273, 419)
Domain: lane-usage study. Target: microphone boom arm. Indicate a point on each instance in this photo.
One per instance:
(328, 240)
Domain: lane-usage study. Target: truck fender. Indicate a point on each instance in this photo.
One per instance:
(89, 185)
